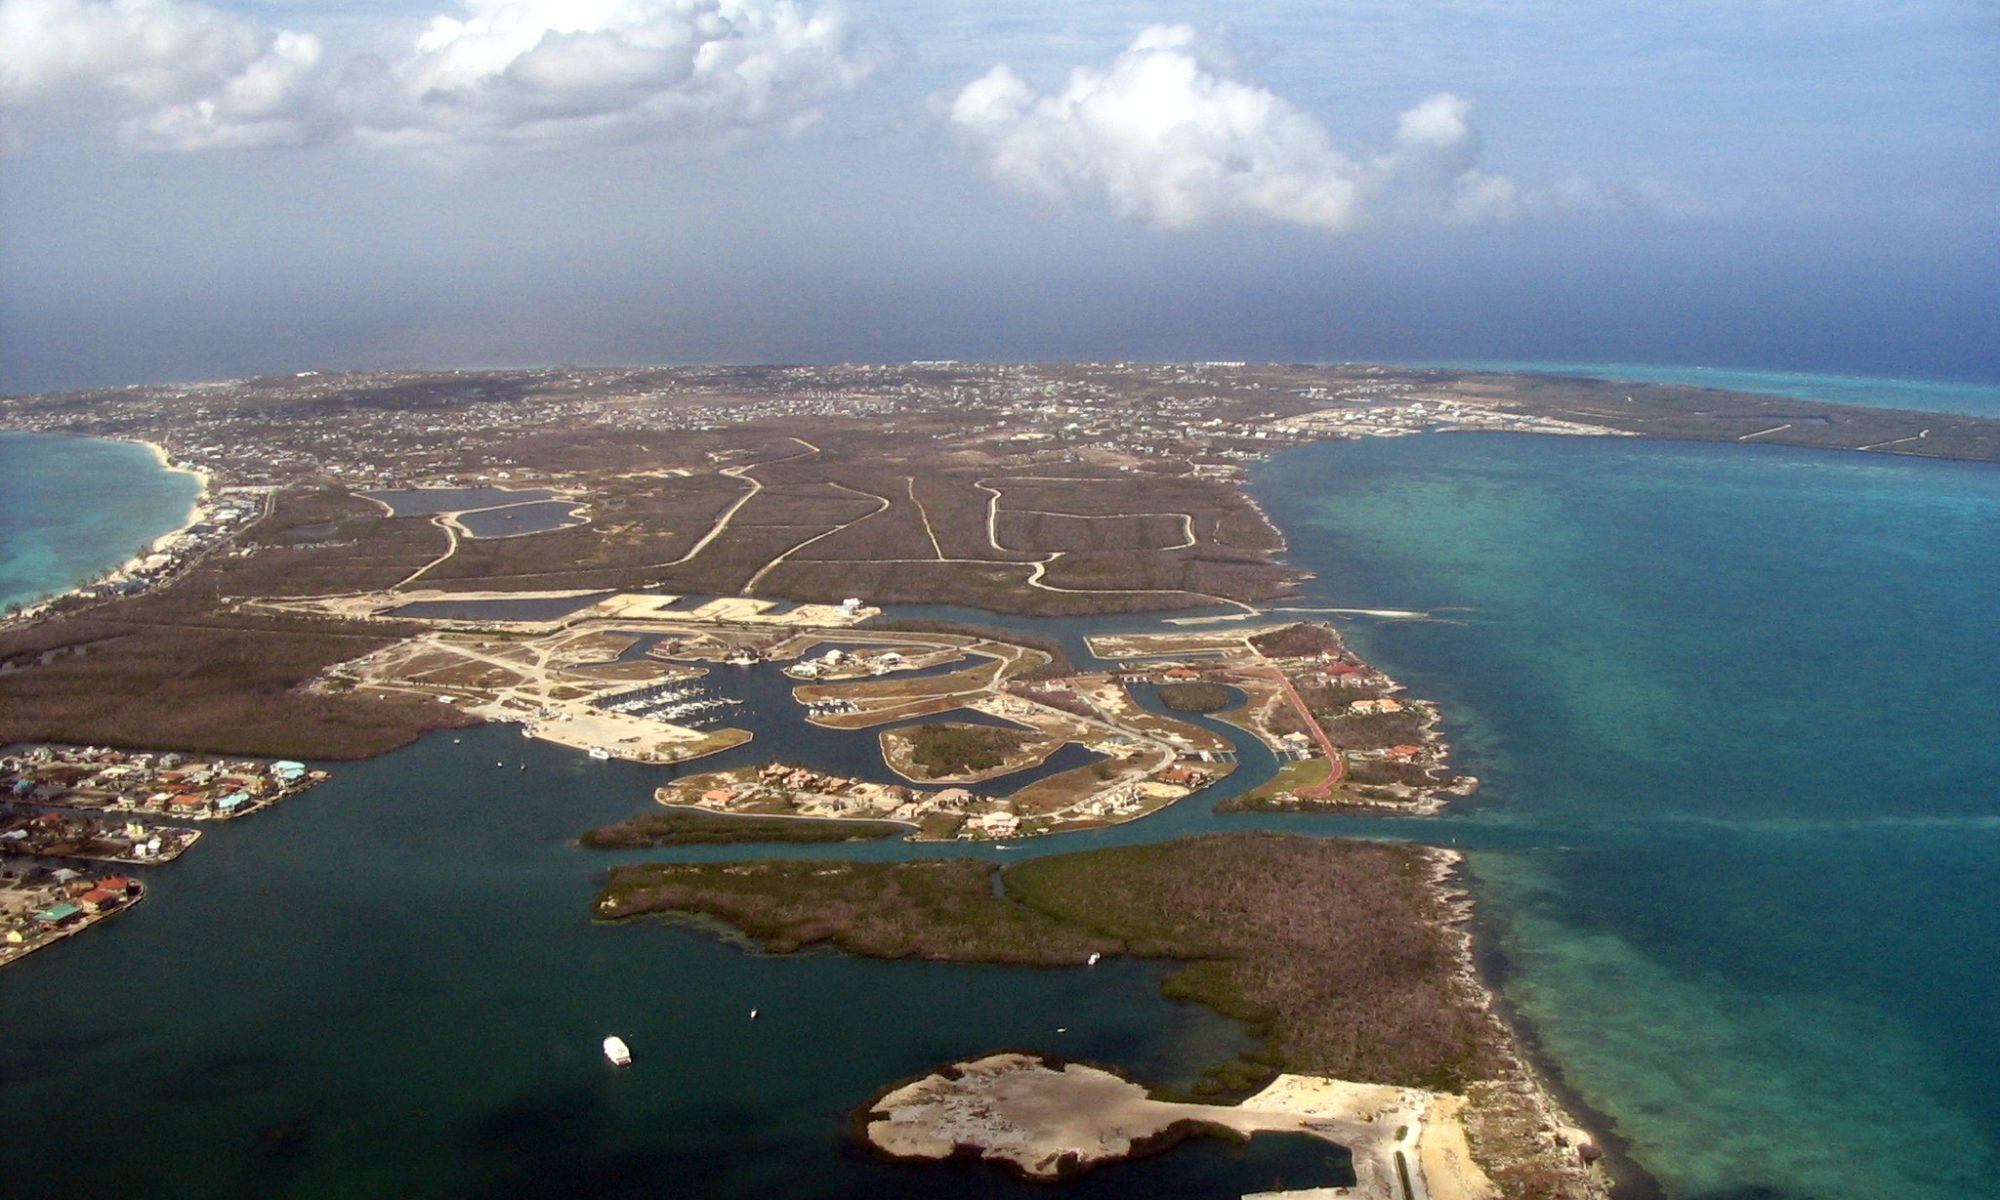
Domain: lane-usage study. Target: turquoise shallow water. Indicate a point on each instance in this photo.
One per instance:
(1740, 834)
(1739, 849)
(1929, 395)
(73, 508)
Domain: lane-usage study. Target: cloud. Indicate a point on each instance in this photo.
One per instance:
(173, 75)
(540, 71)
(1164, 137)
(176, 75)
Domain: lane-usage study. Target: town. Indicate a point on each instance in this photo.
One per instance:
(76, 803)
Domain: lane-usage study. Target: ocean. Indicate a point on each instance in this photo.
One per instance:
(1736, 855)
(74, 508)
(1739, 835)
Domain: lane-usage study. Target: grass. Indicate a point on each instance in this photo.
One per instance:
(681, 827)
(1332, 951)
(1274, 792)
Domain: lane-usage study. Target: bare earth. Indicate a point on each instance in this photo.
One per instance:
(1050, 1122)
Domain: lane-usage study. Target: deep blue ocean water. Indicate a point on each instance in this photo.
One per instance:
(1738, 849)
(74, 508)
(1927, 395)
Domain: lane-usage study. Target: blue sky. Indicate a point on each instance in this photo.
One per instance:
(199, 191)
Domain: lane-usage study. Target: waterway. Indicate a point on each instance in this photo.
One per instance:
(425, 502)
(517, 520)
(1738, 851)
(55, 534)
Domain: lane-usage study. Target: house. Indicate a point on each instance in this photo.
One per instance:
(996, 824)
(1372, 707)
(98, 899)
(717, 796)
(58, 914)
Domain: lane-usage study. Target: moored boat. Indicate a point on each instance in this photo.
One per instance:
(617, 1051)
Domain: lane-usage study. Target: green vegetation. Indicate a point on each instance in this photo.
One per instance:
(939, 909)
(684, 827)
(1333, 951)
(1196, 697)
(952, 749)
(1302, 640)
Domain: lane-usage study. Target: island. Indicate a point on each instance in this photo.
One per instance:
(1347, 959)
(609, 560)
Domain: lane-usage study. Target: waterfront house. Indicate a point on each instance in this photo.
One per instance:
(98, 899)
(1371, 707)
(57, 915)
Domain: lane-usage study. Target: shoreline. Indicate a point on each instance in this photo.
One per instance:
(1535, 1077)
(1623, 1176)
(89, 921)
(198, 510)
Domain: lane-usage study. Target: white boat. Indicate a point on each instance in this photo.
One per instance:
(599, 753)
(1092, 960)
(617, 1051)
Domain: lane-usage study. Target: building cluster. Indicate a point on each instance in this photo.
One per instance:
(40, 904)
(53, 833)
(215, 525)
(847, 664)
(802, 792)
(102, 779)
(388, 428)
(62, 804)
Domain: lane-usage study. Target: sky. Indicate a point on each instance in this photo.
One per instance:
(198, 191)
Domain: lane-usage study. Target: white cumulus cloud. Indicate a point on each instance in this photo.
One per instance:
(178, 75)
(173, 74)
(535, 71)
(1163, 136)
